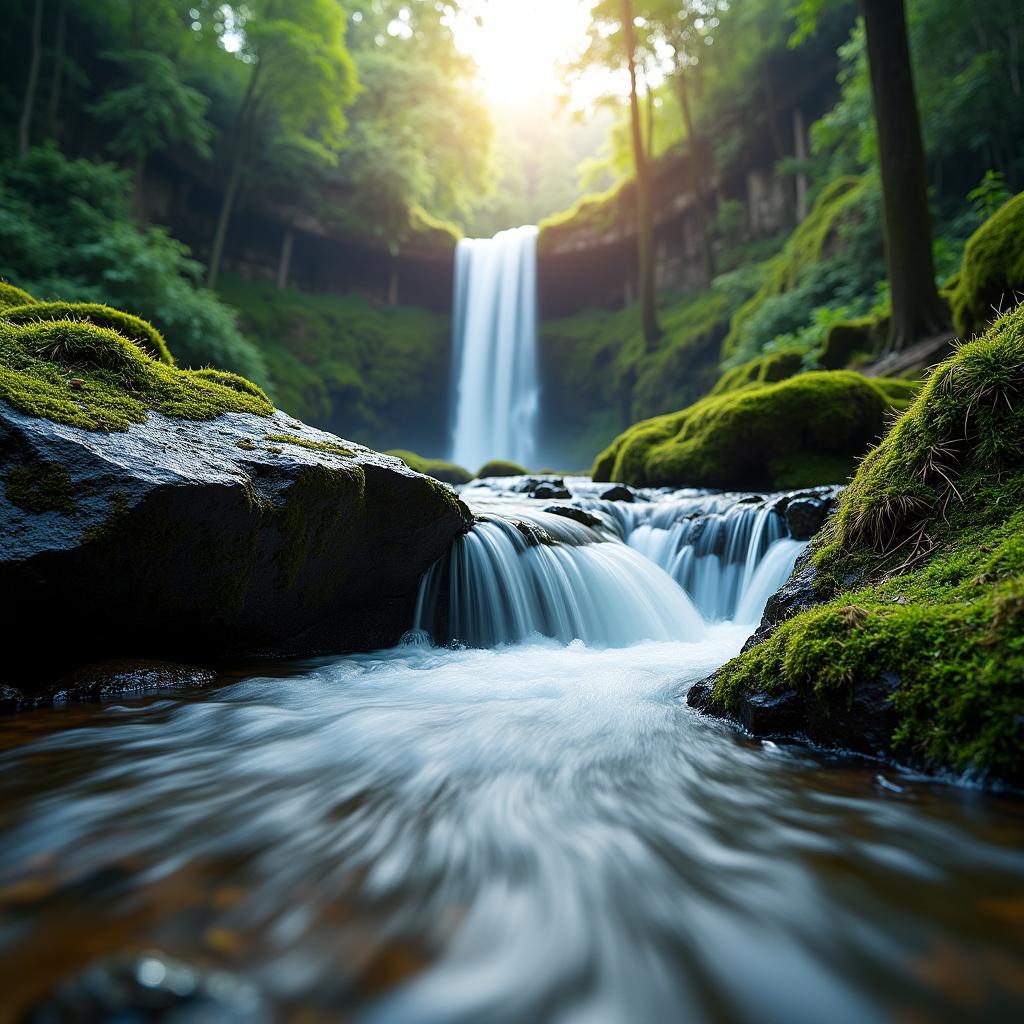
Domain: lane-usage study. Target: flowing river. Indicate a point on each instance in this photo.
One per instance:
(525, 825)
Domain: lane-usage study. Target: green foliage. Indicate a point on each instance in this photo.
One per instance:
(922, 570)
(65, 231)
(992, 276)
(135, 329)
(805, 430)
(500, 467)
(812, 242)
(446, 472)
(76, 372)
(379, 375)
(597, 364)
(154, 110)
(331, 447)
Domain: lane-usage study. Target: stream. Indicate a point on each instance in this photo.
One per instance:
(519, 822)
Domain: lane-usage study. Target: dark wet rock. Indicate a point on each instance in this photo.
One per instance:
(106, 680)
(618, 493)
(796, 595)
(572, 512)
(535, 535)
(11, 699)
(804, 516)
(177, 539)
(548, 491)
(861, 721)
(150, 988)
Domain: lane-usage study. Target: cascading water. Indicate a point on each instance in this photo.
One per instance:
(661, 569)
(495, 348)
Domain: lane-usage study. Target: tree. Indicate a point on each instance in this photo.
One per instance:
(299, 78)
(683, 31)
(613, 44)
(917, 309)
(28, 103)
(153, 111)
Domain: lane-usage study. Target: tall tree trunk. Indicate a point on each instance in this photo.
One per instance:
(239, 151)
(644, 203)
(25, 123)
(227, 207)
(57, 76)
(284, 263)
(917, 310)
(700, 205)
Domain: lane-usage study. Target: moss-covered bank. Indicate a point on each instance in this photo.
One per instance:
(94, 367)
(802, 431)
(921, 577)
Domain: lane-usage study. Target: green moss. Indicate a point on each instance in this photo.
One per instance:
(135, 329)
(245, 444)
(766, 369)
(922, 573)
(41, 487)
(446, 472)
(809, 429)
(992, 275)
(317, 446)
(499, 467)
(319, 498)
(431, 234)
(807, 245)
(231, 380)
(11, 296)
(75, 372)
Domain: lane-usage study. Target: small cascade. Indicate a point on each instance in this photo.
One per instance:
(658, 569)
(495, 348)
(508, 579)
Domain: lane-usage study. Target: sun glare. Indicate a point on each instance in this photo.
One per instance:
(521, 45)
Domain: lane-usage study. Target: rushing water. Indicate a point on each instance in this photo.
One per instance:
(539, 831)
(495, 348)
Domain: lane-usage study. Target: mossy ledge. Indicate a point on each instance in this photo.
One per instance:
(500, 467)
(913, 645)
(805, 430)
(92, 367)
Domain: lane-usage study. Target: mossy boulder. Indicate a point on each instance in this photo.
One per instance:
(155, 512)
(908, 641)
(446, 472)
(11, 296)
(766, 369)
(846, 340)
(500, 467)
(992, 275)
(138, 331)
(807, 430)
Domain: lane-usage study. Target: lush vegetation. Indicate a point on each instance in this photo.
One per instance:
(446, 472)
(379, 374)
(922, 572)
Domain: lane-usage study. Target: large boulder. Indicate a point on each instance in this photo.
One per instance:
(152, 512)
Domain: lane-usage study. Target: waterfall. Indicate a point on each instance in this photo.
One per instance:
(495, 348)
(656, 570)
